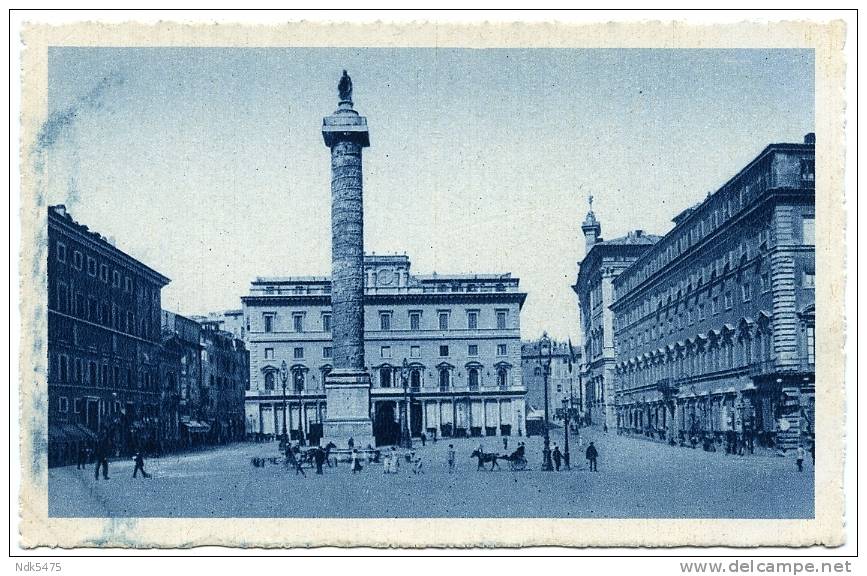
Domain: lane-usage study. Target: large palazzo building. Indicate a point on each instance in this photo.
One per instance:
(714, 324)
(104, 353)
(603, 261)
(458, 337)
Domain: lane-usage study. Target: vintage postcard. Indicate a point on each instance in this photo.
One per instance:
(432, 285)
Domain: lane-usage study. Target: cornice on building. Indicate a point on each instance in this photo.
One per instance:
(58, 216)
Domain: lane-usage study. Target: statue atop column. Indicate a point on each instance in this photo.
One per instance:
(344, 88)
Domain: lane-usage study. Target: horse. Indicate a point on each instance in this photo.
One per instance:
(484, 458)
(309, 456)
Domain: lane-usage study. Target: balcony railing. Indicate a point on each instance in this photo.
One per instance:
(768, 367)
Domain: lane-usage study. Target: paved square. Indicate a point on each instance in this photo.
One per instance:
(636, 479)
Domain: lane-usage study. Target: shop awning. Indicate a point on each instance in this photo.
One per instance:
(70, 433)
(195, 426)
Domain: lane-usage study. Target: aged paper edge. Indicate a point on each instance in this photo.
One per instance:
(38, 530)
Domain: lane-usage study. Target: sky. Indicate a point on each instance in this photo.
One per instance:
(208, 164)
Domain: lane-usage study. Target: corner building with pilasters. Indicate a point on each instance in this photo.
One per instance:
(715, 324)
(459, 336)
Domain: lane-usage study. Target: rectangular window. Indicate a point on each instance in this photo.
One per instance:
(808, 230)
(127, 284)
(415, 351)
(63, 405)
(62, 297)
(501, 349)
(103, 273)
(326, 322)
(77, 260)
(385, 321)
(327, 351)
(811, 344)
(77, 405)
(91, 266)
(115, 279)
(61, 252)
(472, 320)
(269, 353)
(746, 292)
(472, 350)
(728, 300)
(415, 320)
(444, 350)
(298, 353)
(714, 305)
(298, 322)
(501, 319)
(385, 351)
(269, 322)
(808, 279)
(444, 320)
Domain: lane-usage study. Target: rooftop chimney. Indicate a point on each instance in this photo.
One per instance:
(60, 209)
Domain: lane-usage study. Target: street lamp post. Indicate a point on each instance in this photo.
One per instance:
(545, 361)
(284, 376)
(405, 436)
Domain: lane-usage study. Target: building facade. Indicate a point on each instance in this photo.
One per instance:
(182, 348)
(564, 383)
(604, 260)
(104, 355)
(225, 381)
(715, 324)
(454, 340)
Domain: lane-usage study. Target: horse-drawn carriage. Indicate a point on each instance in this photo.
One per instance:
(516, 459)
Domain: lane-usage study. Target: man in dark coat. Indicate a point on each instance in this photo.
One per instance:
(592, 454)
(139, 465)
(557, 457)
(319, 458)
(101, 457)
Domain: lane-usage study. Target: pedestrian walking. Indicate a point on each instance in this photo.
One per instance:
(82, 457)
(451, 458)
(557, 457)
(386, 463)
(592, 454)
(505, 443)
(139, 465)
(101, 457)
(423, 438)
(800, 455)
(319, 458)
(351, 443)
(355, 462)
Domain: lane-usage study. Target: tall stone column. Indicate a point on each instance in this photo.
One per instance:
(347, 386)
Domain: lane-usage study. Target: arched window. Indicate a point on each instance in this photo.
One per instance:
(444, 379)
(298, 381)
(269, 380)
(502, 378)
(415, 378)
(473, 377)
(385, 377)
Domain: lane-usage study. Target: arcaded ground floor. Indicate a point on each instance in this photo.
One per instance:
(636, 479)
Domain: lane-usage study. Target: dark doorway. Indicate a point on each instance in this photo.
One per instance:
(93, 415)
(386, 429)
(415, 419)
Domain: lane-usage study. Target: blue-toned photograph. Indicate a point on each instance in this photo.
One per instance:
(429, 282)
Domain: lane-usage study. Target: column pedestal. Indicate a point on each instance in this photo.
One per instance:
(347, 394)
